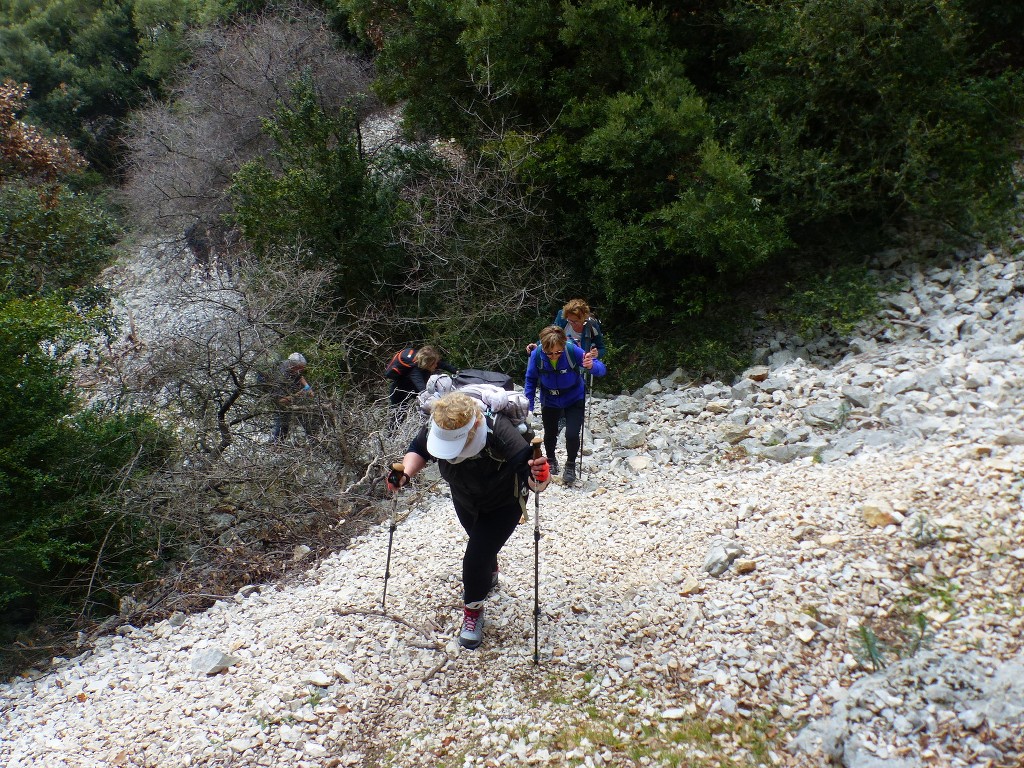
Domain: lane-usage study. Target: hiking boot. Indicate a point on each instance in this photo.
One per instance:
(553, 465)
(494, 578)
(570, 473)
(472, 633)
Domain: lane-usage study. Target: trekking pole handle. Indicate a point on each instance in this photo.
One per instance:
(536, 484)
(396, 475)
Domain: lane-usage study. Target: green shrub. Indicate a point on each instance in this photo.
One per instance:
(68, 545)
(48, 246)
(858, 111)
(670, 207)
(59, 465)
(321, 193)
(708, 344)
(830, 301)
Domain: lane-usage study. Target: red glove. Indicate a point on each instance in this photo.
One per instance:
(396, 479)
(540, 471)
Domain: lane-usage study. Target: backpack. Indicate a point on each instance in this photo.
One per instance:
(512, 405)
(470, 376)
(574, 364)
(403, 361)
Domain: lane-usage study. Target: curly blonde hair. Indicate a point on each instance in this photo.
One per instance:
(428, 358)
(454, 410)
(576, 308)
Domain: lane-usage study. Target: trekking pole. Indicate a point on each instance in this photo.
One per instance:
(588, 381)
(588, 390)
(391, 536)
(536, 442)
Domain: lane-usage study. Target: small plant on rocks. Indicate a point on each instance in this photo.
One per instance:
(941, 592)
(906, 633)
(316, 696)
(870, 648)
(925, 532)
(917, 636)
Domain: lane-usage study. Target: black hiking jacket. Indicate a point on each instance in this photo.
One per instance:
(495, 477)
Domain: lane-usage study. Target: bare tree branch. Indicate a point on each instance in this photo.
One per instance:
(477, 257)
(185, 151)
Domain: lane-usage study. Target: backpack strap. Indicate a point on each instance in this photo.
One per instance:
(503, 438)
(574, 367)
(489, 446)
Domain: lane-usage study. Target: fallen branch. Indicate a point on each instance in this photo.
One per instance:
(432, 642)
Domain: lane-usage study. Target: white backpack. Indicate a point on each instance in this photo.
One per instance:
(513, 405)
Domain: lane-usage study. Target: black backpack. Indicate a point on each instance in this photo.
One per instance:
(400, 365)
(467, 376)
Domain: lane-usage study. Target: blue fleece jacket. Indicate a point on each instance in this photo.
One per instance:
(559, 385)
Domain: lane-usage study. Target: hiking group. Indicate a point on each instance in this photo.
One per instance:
(486, 457)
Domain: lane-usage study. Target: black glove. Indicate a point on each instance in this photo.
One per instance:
(396, 479)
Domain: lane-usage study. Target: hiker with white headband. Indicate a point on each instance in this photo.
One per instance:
(489, 467)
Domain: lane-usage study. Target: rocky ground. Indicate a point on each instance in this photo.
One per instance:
(820, 561)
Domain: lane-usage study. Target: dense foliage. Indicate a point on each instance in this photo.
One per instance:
(81, 61)
(58, 468)
(689, 148)
(65, 543)
(53, 244)
(318, 189)
(857, 111)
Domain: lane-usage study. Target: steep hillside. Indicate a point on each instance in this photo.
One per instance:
(854, 514)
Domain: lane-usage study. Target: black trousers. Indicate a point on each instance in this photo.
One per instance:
(573, 414)
(399, 396)
(488, 533)
(283, 423)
